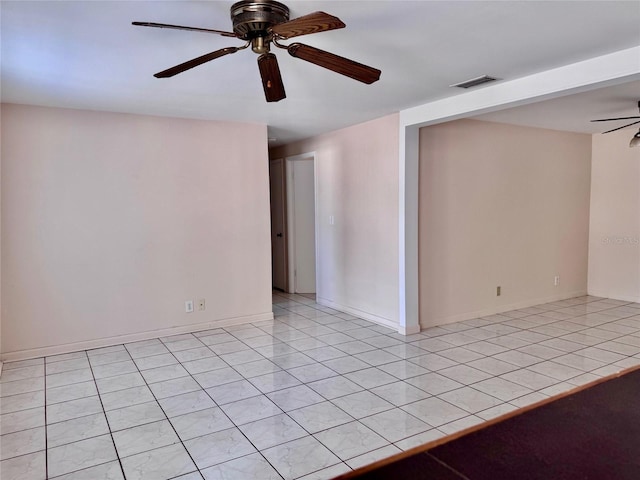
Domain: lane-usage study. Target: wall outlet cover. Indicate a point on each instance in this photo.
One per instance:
(188, 306)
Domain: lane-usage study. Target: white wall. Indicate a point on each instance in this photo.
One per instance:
(0, 238)
(111, 221)
(614, 228)
(500, 205)
(357, 183)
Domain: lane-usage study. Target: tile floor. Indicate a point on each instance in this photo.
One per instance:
(311, 394)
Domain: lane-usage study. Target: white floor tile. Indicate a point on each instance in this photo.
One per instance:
(125, 398)
(59, 412)
(351, 440)
(272, 431)
(300, 457)
(186, 403)
(218, 447)
(295, 397)
(135, 415)
(529, 379)
(274, 381)
(155, 361)
(434, 383)
(31, 467)
(143, 438)
(249, 467)
(165, 462)
(23, 401)
(320, 416)
(22, 442)
(76, 429)
(250, 409)
(120, 382)
(501, 388)
(312, 372)
(435, 412)
(114, 369)
(24, 373)
(80, 455)
(106, 471)
(362, 404)
(395, 425)
(400, 393)
(370, 377)
(334, 387)
(176, 386)
(200, 423)
(71, 392)
(464, 374)
(470, 399)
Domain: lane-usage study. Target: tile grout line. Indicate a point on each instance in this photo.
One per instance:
(283, 413)
(162, 409)
(207, 393)
(104, 412)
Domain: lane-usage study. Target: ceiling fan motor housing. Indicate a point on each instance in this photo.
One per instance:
(252, 19)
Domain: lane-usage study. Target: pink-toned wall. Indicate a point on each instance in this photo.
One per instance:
(111, 221)
(614, 237)
(357, 184)
(0, 238)
(500, 205)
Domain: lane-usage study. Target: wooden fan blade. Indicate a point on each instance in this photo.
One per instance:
(312, 23)
(620, 128)
(611, 119)
(271, 78)
(180, 27)
(335, 63)
(170, 72)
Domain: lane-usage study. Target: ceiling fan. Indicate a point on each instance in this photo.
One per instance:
(620, 118)
(635, 140)
(262, 23)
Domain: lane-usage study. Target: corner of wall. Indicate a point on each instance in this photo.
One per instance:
(614, 218)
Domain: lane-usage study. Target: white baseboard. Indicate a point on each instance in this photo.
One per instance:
(358, 313)
(404, 330)
(461, 317)
(135, 337)
(613, 296)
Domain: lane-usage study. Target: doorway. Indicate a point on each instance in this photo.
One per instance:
(277, 194)
(301, 223)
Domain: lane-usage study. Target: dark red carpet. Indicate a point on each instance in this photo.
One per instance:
(593, 434)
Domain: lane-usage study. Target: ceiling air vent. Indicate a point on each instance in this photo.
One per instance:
(474, 82)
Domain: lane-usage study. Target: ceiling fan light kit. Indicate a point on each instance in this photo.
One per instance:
(635, 140)
(262, 23)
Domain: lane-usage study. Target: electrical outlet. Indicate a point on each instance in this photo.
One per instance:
(201, 305)
(498, 291)
(188, 306)
(556, 280)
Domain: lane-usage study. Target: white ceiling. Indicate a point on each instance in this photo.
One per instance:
(574, 113)
(87, 55)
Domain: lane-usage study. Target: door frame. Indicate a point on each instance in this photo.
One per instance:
(291, 252)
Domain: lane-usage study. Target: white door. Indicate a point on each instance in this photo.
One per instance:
(278, 219)
(302, 225)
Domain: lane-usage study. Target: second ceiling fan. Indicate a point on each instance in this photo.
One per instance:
(264, 23)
